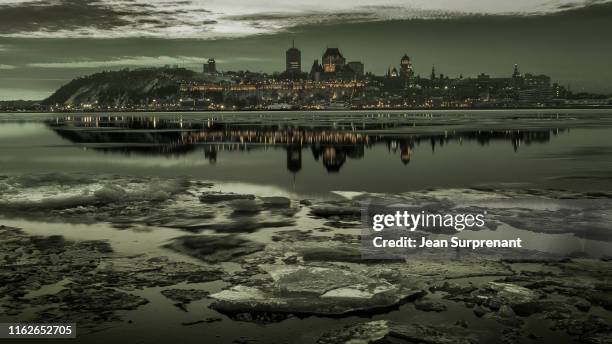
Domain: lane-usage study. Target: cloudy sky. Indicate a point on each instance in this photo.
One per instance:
(46, 43)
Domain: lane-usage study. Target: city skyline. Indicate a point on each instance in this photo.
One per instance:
(558, 39)
(336, 82)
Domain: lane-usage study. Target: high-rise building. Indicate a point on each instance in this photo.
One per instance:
(535, 88)
(332, 60)
(406, 67)
(211, 66)
(559, 91)
(293, 59)
(537, 81)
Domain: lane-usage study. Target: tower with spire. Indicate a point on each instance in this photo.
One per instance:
(517, 78)
(406, 67)
(516, 73)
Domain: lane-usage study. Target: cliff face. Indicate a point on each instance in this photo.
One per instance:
(120, 88)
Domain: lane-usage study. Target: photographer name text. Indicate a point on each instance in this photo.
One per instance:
(453, 242)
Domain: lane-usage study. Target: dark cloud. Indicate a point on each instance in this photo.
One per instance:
(176, 3)
(360, 14)
(90, 15)
(570, 46)
(59, 15)
(157, 22)
(177, 19)
(289, 20)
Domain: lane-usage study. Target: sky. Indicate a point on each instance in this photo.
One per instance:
(46, 43)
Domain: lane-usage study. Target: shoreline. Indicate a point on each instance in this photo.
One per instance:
(477, 109)
(308, 275)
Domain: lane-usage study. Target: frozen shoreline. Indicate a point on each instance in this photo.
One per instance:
(254, 266)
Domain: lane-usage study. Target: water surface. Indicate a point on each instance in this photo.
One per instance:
(315, 153)
(53, 165)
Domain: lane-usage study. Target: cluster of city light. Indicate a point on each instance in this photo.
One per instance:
(275, 137)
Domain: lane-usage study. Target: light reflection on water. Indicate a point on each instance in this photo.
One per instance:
(291, 155)
(318, 153)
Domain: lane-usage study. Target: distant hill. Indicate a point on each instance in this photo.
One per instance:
(20, 105)
(120, 88)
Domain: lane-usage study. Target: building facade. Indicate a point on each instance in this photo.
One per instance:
(211, 66)
(406, 70)
(333, 60)
(293, 60)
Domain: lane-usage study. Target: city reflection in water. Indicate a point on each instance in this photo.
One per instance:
(331, 143)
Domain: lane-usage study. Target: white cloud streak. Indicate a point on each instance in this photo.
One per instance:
(121, 62)
(209, 19)
(136, 61)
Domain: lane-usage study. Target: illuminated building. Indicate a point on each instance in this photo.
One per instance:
(293, 60)
(335, 68)
(394, 73)
(536, 81)
(535, 88)
(559, 91)
(333, 60)
(406, 67)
